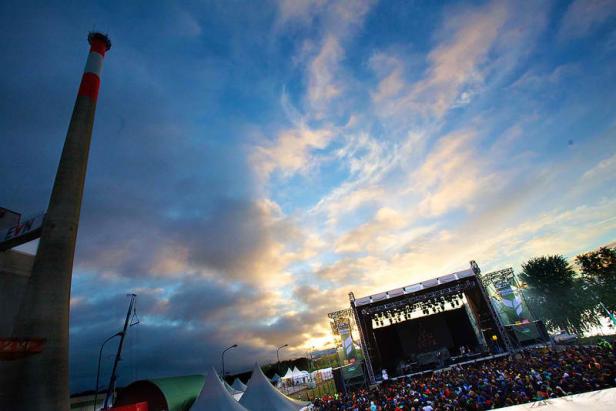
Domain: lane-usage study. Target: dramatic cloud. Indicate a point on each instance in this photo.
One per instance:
(249, 168)
(582, 16)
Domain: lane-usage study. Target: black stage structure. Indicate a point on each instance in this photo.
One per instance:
(428, 325)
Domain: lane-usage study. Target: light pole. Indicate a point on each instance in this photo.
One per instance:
(278, 359)
(223, 359)
(277, 356)
(98, 368)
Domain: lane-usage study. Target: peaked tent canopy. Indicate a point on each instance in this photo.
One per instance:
(288, 375)
(276, 378)
(261, 395)
(237, 394)
(239, 385)
(214, 396)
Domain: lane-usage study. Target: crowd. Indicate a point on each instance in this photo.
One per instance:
(531, 375)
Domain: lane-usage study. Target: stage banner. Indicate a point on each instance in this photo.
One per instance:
(509, 304)
(350, 354)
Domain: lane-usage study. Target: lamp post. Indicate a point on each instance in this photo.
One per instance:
(98, 368)
(278, 359)
(223, 359)
(277, 356)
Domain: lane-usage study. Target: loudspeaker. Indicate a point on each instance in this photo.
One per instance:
(339, 381)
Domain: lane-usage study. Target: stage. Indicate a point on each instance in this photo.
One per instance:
(429, 325)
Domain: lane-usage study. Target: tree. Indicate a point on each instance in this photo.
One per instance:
(557, 295)
(599, 271)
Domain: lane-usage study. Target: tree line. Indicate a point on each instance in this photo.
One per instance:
(567, 299)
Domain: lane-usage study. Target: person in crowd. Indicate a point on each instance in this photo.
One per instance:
(535, 375)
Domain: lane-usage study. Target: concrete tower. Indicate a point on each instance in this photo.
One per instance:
(40, 381)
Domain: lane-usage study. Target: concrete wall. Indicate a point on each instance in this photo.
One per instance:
(15, 269)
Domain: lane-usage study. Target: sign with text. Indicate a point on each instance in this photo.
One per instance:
(15, 348)
(23, 232)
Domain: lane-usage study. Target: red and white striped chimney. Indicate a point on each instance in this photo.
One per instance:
(40, 381)
(91, 79)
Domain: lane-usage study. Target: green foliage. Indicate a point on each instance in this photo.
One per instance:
(557, 295)
(599, 271)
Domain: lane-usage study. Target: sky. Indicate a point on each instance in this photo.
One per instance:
(254, 162)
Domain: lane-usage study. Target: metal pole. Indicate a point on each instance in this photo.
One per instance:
(278, 357)
(113, 378)
(98, 367)
(223, 359)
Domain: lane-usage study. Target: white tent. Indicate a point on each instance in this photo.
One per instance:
(300, 377)
(214, 396)
(239, 385)
(261, 395)
(237, 394)
(288, 375)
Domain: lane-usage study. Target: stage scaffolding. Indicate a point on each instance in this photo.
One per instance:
(466, 282)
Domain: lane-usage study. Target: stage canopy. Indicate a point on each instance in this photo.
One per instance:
(602, 400)
(261, 395)
(413, 288)
(214, 396)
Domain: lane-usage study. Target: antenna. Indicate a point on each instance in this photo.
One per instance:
(113, 378)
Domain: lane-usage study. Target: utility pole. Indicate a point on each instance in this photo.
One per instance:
(113, 378)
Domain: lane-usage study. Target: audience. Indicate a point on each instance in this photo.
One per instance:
(535, 375)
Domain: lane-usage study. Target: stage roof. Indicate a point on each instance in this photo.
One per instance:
(413, 288)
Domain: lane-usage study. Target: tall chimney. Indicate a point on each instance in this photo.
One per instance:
(41, 381)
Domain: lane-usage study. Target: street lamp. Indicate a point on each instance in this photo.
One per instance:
(278, 357)
(98, 368)
(223, 359)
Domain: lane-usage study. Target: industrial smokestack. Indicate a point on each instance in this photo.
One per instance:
(40, 381)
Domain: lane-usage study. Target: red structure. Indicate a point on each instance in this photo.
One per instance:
(141, 406)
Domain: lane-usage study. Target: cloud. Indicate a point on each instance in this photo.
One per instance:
(481, 45)
(451, 176)
(372, 234)
(298, 11)
(606, 168)
(584, 16)
(455, 66)
(404, 145)
(240, 240)
(291, 152)
(323, 85)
